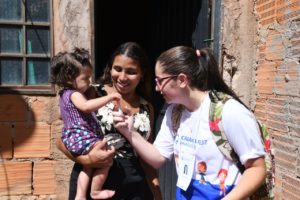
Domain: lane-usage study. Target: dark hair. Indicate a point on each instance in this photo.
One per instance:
(202, 71)
(136, 52)
(65, 66)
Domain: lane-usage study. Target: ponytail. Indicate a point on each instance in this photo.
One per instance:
(215, 81)
(200, 66)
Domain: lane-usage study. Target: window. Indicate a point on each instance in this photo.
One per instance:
(25, 45)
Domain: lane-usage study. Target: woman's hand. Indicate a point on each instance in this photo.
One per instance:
(250, 181)
(148, 152)
(98, 157)
(123, 123)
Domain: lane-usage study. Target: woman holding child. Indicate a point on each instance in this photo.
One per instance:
(127, 73)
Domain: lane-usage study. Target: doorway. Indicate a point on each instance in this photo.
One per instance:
(156, 25)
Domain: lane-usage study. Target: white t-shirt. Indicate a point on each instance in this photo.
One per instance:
(195, 138)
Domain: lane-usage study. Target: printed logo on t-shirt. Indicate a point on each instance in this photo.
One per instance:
(202, 167)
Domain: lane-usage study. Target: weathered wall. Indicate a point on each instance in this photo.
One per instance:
(26, 167)
(239, 43)
(278, 86)
(72, 24)
(261, 54)
(31, 167)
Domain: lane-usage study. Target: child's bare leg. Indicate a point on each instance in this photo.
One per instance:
(83, 183)
(99, 177)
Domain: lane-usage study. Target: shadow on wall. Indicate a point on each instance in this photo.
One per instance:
(17, 130)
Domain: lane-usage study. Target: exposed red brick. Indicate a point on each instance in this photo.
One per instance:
(291, 180)
(291, 188)
(44, 177)
(283, 138)
(295, 35)
(6, 141)
(265, 88)
(12, 108)
(279, 101)
(294, 130)
(289, 157)
(277, 117)
(32, 140)
(267, 68)
(260, 104)
(277, 109)
(261, 100)
(295, 43)
(295, 103)
(265, 7)
(289, 196)
(260, 114)
(285, 165)
(15, 178)
(42, 109)
(283, 144)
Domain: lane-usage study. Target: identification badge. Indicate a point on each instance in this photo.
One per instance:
(186, 170)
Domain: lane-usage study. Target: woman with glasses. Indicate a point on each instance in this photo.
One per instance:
(187, 78)
(127, 73)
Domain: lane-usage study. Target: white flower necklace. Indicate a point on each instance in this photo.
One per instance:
(141, 120)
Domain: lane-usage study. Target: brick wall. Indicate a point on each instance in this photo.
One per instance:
(26, 166)
(278, 86)
(31, 167)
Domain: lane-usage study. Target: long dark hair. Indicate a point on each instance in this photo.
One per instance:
(202, 70)
(66, 66)
(135, 52)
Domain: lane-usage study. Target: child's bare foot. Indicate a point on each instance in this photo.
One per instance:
(103, 194)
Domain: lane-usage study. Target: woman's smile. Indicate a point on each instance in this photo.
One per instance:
(123, 85)
(126, 74)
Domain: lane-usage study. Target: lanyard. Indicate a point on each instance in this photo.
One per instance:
(187, 155)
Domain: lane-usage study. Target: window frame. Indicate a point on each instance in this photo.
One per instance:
(24, 56)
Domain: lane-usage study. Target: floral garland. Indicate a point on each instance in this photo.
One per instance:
(141, 120)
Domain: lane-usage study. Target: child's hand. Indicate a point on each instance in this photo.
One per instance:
(115, 96)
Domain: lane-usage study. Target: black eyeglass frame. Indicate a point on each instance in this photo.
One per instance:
(159, 81)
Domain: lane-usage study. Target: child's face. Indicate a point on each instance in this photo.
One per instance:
(83, 80)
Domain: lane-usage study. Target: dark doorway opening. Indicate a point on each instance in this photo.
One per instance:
(157, 25)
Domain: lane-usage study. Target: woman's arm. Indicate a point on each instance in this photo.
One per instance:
(244, 136)
(147, 151)
(251, 180)
(98, 157)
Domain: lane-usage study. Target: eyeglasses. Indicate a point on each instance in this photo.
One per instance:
(159, 81)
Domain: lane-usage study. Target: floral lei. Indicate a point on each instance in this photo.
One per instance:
(141, 121)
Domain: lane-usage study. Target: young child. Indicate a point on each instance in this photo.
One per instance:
(72, 73)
